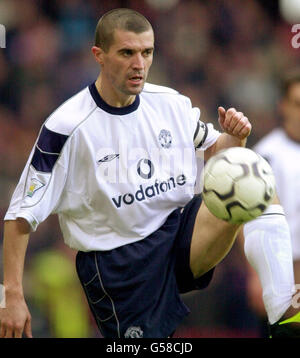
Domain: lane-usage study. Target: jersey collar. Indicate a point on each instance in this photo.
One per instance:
(110, 109)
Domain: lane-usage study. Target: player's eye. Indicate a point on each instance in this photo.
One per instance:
(148, 52)
(127, 53)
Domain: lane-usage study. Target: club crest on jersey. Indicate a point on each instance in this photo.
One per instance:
(134, 332)
(108, 158)
(165, 138)
(34, 186)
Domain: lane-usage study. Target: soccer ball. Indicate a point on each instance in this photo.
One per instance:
(290, 10)
(238, 185)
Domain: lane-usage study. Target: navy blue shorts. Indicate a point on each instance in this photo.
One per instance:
(134, 290)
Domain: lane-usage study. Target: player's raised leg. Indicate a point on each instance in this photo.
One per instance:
(212, 239)
(268, 250)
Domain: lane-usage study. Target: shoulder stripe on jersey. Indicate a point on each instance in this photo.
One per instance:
(47, 150)
(44, 151)
(51, 142)
(43, 162)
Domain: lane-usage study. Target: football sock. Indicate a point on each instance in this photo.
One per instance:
(269, 251)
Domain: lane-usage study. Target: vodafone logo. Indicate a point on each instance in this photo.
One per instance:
(148, 192)
(145, 168)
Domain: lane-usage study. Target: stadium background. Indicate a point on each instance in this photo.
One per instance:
(218, 52)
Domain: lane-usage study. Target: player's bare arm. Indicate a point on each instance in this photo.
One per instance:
(236, 129)
(15, 317)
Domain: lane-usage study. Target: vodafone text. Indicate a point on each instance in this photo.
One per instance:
(149, 191)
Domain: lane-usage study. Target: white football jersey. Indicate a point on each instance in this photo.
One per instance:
(283, 154)
(112, 175)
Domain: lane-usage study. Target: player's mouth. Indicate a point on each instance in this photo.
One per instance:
(136, 79)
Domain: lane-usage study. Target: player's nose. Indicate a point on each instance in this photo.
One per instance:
(138, 62)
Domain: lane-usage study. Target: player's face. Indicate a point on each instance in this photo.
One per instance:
(125, 66)
(291, 112)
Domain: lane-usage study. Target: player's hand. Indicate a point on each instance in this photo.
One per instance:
(15, 319)
(234, 123)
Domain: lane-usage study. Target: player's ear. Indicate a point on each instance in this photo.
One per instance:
(98, 54)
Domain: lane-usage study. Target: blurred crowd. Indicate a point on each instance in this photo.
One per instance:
(229, 53)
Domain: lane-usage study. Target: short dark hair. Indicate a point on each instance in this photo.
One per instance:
(288, 80)
(123, 19)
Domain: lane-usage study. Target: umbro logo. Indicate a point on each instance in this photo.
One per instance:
(108, 158)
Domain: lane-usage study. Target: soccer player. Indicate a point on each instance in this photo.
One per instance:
(281, 148)
(117, 163)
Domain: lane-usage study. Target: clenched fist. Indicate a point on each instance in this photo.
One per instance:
(234, 123)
